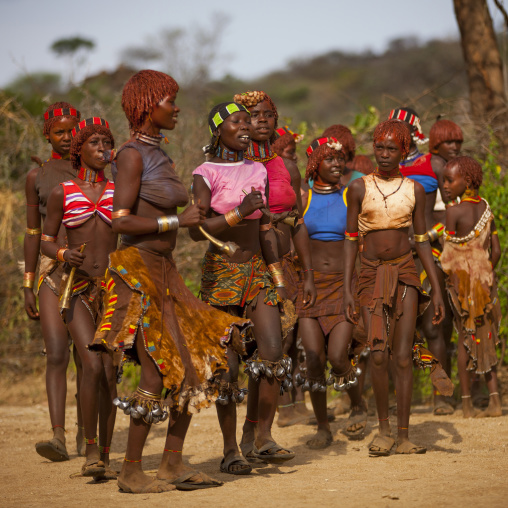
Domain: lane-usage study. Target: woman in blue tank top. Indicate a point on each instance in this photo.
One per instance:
(326, 335)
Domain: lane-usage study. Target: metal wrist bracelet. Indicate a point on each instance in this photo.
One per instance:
(168, 223)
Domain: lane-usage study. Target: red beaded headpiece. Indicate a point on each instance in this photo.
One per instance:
(61, 112)
(281, 131)
(411, 119)
(89, 121)
(321, 141)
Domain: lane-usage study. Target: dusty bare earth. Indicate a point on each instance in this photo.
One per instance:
(466, 465)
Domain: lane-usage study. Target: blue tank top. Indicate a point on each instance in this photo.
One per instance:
(325, 215)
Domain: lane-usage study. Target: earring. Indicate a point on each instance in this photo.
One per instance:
(468, 192)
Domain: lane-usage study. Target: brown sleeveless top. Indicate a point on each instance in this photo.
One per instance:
(160, 185)
(396, 212)
(52, 173)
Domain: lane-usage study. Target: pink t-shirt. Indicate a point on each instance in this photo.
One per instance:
(228, 181)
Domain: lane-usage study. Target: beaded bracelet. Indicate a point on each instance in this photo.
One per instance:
(33, 231)
(351, 236)
(49, 238)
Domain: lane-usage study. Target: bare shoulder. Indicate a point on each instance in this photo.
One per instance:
(438, 164)
(292, 168)
(419, 190)
(32, 176)
(356, 188)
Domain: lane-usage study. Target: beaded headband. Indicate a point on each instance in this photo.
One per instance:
(62, 112)
(286, 130)
(223, 113)
(89, 121)
(331, 142)
(411, 119)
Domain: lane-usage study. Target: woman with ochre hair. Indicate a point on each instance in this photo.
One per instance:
(325, 332)
(83, 206)
(421, 168)
(233, 191)
(381, 207)
(151, 316)
(285, 200)
(59, 120)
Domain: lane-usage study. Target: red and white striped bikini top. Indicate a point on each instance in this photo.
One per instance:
(78, 208)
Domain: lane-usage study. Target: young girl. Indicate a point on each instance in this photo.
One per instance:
(84, 205)
(59, 120)
(382, 207)
(242, 283)
(470, 255)
(326, 335)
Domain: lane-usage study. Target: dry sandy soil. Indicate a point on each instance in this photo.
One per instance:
(466, 465)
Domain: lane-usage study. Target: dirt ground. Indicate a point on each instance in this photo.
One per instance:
(465, 465)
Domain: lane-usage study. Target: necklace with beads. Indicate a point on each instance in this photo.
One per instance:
(385, 197)
(55, 155)
(88, 175)
(150, 140)
(470, 199)
(411, 157)
(324, 188)
(228, 155)
(260, 152)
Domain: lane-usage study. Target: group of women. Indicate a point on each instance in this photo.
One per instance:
(280, 280)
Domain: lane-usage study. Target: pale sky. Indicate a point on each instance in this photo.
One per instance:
(261, 36)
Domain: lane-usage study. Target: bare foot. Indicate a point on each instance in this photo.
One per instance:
(468, 411)
(322, 439)
(133, 480)
(301, 408)
(493, 409)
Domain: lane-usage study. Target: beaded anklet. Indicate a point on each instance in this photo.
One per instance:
(383, 419)
(173, 451)
(127, 460)
(285, 405)
(91, 441)
(104, 449)
(252, 421)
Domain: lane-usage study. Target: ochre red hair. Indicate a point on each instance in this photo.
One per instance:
(399, 130)
(444, 130)
(468, 168)
(345, 138)
(51, 121)
(144, 91)
(318, 155)
(82, 136)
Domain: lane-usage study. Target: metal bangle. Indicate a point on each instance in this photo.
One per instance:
(167, 223)
(60, 254)
(28, 279)
(48, 238)
(120, 213)
(33, 231)
(421, 238)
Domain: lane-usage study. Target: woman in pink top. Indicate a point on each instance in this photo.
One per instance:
(285, 199)
(233, 190)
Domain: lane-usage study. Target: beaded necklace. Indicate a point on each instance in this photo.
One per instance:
(385, 197)
(260, 152)
(55, 155)
(469, 196)
(411, 157)
(229, 155)
(89, 175)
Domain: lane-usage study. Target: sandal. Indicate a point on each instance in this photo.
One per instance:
(269, 452)
(358, 419)
(247, 449)
(94, 468)
(383, 445)
(235, 460)
(194, 480)
(154, 487)
(408, 448)
(442, 408)
(110, 474)
(53, 450)
(322, 439)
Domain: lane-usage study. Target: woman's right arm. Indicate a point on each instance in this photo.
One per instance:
(32, 243)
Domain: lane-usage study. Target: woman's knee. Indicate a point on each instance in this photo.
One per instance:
(379, 359)
(270, 348)
(57, 357)
(403, 360)
(315, 363)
